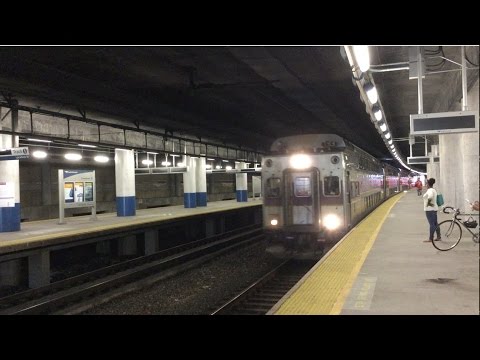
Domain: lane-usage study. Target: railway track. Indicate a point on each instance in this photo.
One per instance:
(76, 289)
(261, 296)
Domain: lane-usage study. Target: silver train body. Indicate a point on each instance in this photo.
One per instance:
(316, 188)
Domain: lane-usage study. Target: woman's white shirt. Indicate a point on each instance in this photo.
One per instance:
(430, 194)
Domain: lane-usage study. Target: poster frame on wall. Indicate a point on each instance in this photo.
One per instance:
(72, 186)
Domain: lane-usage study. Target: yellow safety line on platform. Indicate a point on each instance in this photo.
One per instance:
(324, 292)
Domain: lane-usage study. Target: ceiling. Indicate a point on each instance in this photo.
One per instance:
(244, 95)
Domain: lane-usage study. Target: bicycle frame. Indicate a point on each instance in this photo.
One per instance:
(451, 228)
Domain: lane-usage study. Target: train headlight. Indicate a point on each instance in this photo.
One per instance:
(274, 222)
(331, 222)
(300, 161)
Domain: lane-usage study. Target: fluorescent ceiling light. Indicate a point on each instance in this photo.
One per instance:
(86, 145)
(101, 158)
(39, 140)
(383, 127)
(372, 93)
(390, 142)
(387, 135)
(378, 114)
(73, 156)
(362, 56)
(39, 154)
(147, 162)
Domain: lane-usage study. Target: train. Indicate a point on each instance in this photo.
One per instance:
(316, 187)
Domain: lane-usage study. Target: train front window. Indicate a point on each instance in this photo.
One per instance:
(302, 187)
(273, 188)
(331, 186)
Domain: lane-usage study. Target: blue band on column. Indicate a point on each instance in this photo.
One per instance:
(10, 218)
(242, 195)
(190, 200)
(201, 199)
(125, 205)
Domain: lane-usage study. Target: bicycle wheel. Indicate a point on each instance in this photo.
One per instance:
(451, 234)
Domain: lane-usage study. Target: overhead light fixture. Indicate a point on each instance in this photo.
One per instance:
(362, 56)
(387, 135)
(181, 164)
(39, 140)
(392, 146)
(371, 92)
(383, 127)
(87, 145)
(39, 154)
(101, 158)
(377, 112)
(73, 156)
(218, 167)
(228, 167)
(390, 142)
(208, 166)
(166, 163)
(147, 162)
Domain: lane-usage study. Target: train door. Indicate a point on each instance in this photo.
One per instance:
(301, 197)
(347, 199)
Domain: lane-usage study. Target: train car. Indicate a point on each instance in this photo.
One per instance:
(316, 187)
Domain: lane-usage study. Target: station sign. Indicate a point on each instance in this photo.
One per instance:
(14, 153)
(415, 160)
(444, 123)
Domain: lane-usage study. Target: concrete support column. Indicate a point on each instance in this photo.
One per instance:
(151, 241)
(221, 228)
(209, 227)
(10, 184)
(201, 181)
(451, 169)
(470, 143)
(11, 273)
(127, 245)
(241, 183)
(258, 216)
(39, 269)
(433, 169)
(189, 188)
(103, 247)
(125, 182)
(470, 173)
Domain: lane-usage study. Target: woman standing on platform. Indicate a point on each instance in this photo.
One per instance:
(430, 206)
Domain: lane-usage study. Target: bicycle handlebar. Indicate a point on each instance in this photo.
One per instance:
(447, 208)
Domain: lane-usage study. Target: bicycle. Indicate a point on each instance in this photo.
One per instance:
(451, 231)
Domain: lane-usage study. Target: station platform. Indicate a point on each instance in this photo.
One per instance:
(383, 266)
(44, 233)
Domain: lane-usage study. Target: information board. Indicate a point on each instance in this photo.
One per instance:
(76, 189)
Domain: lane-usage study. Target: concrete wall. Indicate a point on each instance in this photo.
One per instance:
(39, 189)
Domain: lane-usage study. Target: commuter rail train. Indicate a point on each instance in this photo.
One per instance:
(317, 187)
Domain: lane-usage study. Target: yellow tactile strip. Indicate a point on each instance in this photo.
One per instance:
(326, 287)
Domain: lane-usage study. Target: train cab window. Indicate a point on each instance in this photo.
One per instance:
(302, 187)
(331, 186)
(273, 187)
